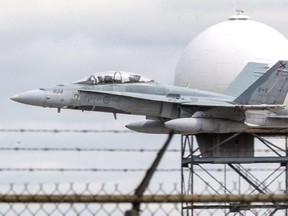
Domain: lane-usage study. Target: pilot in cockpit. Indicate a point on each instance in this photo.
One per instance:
(134, 78)
(100, 79)
(108, 79)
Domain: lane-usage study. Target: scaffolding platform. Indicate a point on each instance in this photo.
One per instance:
(219, 160)
(198, 165)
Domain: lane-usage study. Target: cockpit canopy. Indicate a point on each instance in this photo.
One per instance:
(109, 77)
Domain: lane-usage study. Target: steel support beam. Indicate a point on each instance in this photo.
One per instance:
(261, 187)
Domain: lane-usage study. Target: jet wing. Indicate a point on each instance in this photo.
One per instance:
(226, 104)
(170, 98)
(206, 102)
(152, 97)
(278, 117)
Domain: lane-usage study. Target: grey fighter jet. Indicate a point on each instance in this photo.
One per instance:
(258, 109)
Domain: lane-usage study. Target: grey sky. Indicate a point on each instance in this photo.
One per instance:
(44, 43)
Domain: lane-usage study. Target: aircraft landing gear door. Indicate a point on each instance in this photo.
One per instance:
(87, 101)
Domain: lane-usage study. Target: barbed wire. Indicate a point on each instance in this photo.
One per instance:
(3, 130)
(84, 149)
(83, 170)
(11, 130)
(9, 169)
(81, 149)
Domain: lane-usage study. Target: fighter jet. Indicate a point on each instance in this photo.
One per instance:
(258, 109)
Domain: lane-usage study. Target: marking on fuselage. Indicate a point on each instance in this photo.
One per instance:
(282, 65)
(76, 96)
(57, 91)
(106, 99)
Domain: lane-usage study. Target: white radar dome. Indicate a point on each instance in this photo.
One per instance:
(214, 58)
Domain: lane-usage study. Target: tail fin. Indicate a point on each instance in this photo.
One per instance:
(271, 88)
(250, 73)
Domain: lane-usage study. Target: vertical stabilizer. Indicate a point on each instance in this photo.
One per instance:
(271, 88)
(250, 73)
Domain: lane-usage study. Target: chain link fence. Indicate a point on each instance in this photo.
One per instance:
(217, 189)
(81, 199)
(107, 199)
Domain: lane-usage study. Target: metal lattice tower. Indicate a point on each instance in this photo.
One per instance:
(235, 175)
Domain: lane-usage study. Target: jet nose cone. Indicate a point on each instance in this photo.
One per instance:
(33, 97)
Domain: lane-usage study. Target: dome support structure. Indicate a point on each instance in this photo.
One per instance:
(197, 170)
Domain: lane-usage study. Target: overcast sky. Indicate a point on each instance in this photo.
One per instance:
(44, 43)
